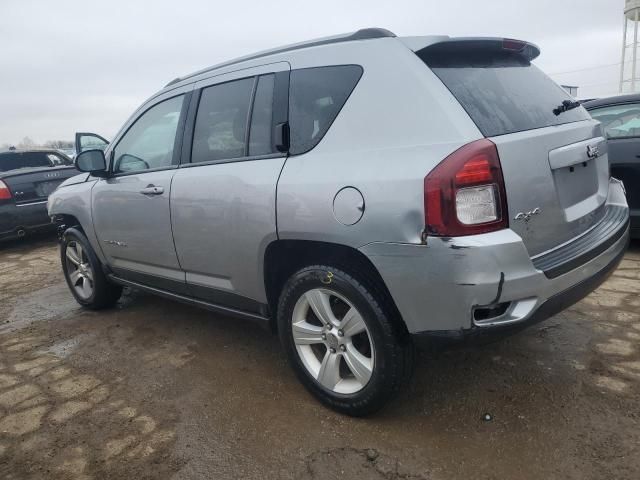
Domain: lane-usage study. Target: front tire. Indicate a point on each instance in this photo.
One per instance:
(83, 273)
(340, 342)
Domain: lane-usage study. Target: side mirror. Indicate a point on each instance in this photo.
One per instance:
(130, 163)
(92, 161)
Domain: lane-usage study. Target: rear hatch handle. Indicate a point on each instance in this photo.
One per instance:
(577, 153)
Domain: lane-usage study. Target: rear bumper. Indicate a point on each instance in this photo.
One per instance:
(445, 288)
(549, 308)
(635, 223)
(27, 218)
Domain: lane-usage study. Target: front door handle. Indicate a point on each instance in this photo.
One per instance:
(152, 190)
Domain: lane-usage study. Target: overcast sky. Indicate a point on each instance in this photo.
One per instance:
(81, 65)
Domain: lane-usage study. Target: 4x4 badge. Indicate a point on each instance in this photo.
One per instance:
(593, 151)
(526, 216)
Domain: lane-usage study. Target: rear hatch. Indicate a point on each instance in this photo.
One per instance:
(554, 163)
(33, 176)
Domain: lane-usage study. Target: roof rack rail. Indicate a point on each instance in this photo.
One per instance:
(362, 34)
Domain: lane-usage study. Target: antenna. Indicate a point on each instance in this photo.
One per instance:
(631, 14)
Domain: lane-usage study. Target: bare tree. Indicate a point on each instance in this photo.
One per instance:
(59, 144)
(27, 142)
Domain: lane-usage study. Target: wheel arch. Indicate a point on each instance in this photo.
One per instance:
(80, 219)
(64, 221)
(282, 258)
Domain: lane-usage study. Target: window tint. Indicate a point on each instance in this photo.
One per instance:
(501, 92)
(316, 96)
(261, 117)
(619, 121)
(149, 142)
(221, 122)
(17, 160)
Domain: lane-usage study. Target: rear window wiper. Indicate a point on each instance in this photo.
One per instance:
(566, 106)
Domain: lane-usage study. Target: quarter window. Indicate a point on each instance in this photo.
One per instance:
(221, 121)
(149, 143)
(316, 96)
(619, 121)
(56, 160)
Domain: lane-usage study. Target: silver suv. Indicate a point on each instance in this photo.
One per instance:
(359, 195)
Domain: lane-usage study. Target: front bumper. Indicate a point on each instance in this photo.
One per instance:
(440, 288)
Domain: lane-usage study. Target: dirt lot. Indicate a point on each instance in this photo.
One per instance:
(154, 389)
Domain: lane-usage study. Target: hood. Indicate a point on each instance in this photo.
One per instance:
(83, 177)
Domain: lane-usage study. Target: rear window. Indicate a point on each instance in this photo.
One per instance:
(502, 92)
(17, 160)
(316, 96)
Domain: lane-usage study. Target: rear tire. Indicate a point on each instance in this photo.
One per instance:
(84, 274)
(340, 342)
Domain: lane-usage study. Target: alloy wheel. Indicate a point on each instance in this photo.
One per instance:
(332, 341)
(79, 270)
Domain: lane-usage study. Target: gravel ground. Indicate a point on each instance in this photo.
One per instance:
(155, 389)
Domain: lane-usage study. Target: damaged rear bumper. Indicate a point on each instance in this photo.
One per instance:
(482, 284)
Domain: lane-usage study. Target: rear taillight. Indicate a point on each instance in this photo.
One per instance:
(5, 193)
(464, 194)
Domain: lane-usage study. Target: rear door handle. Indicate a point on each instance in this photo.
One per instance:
(152, 190)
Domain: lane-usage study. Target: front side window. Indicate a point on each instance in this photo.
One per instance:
(149, 143)
(619, 121)
(221, 122)
(316, 96)
(92, 142)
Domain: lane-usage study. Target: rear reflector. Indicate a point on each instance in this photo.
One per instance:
(465, 194)
(5, 193)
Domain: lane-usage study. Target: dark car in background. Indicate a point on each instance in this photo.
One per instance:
(27, 177)
(620, 118)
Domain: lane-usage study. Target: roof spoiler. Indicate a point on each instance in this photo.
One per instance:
(468, 45)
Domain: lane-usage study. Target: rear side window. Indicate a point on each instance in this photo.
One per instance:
(502, 92)
(316, 96)
(18, 160)
(221, 122)
(619, 121)
(262, 117)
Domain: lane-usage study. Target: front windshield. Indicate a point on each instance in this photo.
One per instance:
(619, 121)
